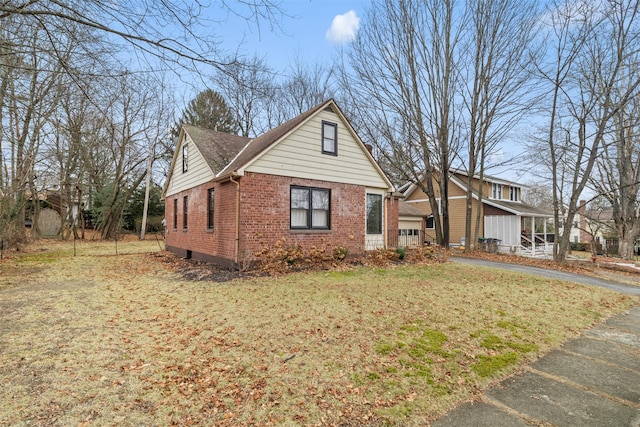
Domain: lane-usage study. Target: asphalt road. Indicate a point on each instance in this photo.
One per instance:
(553, 274)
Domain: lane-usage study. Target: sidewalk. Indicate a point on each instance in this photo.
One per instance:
(591, 381)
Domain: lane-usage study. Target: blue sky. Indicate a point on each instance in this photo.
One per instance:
(314, 30)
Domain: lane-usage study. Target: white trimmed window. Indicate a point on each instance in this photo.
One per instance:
(513, 193)
(496, 191)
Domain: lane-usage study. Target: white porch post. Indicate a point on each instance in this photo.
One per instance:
(533, 236)
(544, 225)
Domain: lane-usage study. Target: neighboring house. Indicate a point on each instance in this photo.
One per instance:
(411, 226)
(517, 226)
(594, 225)
(309, 182)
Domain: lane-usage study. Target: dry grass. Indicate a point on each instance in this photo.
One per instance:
(104, 340)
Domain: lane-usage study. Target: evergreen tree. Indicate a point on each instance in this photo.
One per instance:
(209, 110)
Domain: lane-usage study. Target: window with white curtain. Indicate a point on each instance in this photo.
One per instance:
(185, 157)
(329, 138)
(310, 208)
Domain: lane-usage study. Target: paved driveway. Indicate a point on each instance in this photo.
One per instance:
(591, 381)
(553, 274)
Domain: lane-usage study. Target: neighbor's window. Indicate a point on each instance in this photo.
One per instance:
(310, 208)
(185, 157)
(513, 193)
(210, 206)
(329, 138)
(496, 191)
(185, 212)
(175, 213)
(429, 222)
(374, 214)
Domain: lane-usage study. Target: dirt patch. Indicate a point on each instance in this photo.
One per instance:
(193, 270)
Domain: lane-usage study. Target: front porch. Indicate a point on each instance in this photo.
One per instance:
(525, 235)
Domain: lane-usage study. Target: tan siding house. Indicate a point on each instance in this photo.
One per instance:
(504, 216)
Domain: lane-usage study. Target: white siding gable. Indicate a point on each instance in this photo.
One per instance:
(299, 155)
(198, 172)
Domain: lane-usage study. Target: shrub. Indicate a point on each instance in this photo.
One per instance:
(427, 253)
(340, 252)
(282, 257)
(381, 257)
(580, 246)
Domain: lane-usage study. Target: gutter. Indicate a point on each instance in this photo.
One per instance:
(237, 237)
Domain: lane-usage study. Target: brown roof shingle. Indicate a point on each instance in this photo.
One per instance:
(217, 148)
(407, 209)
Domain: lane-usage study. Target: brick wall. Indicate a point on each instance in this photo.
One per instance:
(216, 245)
(264, 218)
(265, 214)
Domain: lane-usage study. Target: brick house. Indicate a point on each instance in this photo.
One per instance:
(310, 181)
(518, 226)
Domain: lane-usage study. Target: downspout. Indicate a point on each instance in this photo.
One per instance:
(237, 240)
(386, 225)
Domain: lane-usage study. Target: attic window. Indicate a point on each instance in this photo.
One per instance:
(513, 193)
(496, 191)
(329, 138)
(185, 157)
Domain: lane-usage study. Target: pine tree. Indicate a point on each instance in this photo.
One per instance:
(209, 110)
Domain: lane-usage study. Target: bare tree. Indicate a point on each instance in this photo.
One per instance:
(594, 45)
(497, 39)
(176, 32)
(404, 99)
(30, 90)
(304, 87)
(617, 174)
(248, 88)
(538, 194)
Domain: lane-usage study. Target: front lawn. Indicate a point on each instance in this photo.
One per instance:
(101, 340)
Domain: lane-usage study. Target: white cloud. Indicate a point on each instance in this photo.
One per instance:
(344, 28)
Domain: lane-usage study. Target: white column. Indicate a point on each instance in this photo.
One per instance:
(533, 236)
(544, 224)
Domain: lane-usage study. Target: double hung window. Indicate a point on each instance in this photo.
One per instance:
(175, 213)
(310, 208)
(329, 138)
(496, 191)
(185, 157)
(185, 213)
(210, 206)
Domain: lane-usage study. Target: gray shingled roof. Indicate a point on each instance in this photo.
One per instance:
(519, 207)
(407, 209)
(217, 148)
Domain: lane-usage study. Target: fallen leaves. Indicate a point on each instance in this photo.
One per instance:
(136, 342)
